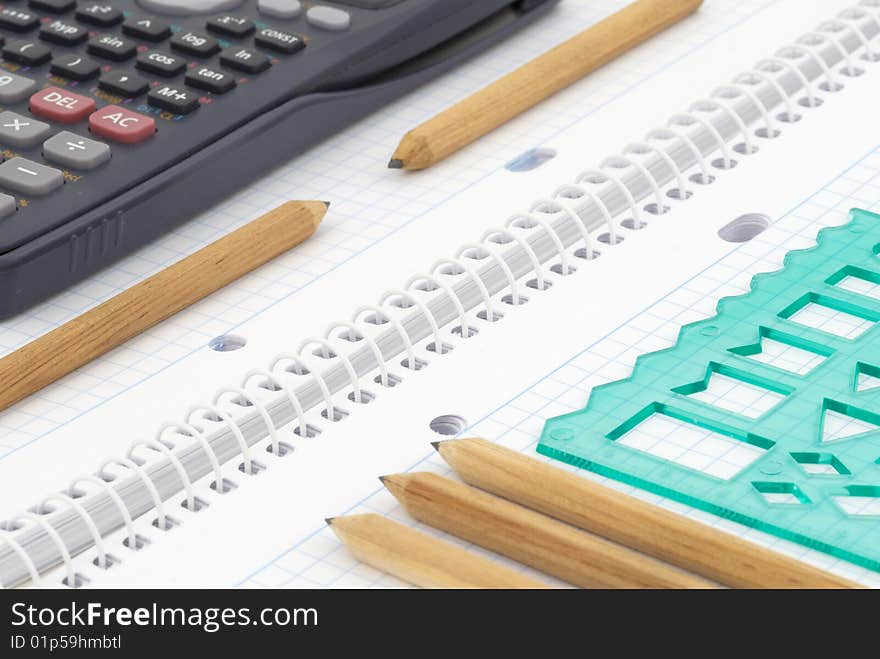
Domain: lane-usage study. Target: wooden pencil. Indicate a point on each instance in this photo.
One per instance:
(513, 94)
(151, 301)
(690, 545)
(420, 559)
(531, 538)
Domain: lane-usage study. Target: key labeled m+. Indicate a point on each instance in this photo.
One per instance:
(173, 99)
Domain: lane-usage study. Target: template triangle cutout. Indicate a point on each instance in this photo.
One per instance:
(867, 377)
(841, 421)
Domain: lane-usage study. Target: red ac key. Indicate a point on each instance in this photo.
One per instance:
(60, 105)
(121, 125)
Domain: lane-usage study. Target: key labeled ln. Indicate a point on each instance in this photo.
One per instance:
(244, 59)
(71, 150)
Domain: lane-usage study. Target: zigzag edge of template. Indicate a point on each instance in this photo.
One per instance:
(791, 445)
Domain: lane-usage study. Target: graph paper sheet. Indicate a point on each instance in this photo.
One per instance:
(319, 560)
(381, 231)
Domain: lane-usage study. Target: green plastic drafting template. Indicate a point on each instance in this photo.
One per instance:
(768, 413)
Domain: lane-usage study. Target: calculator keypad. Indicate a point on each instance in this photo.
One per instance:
(84, 84)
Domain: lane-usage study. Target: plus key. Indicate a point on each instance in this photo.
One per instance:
(60, 105)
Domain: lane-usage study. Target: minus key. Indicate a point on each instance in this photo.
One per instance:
(29, 177)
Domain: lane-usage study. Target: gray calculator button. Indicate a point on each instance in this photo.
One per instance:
(15, 88)
(328, 18)
(370, 4)
(280, 8)
(21, 132)
(70, 150)
(7, 205)
(29, 177)
(188, 7)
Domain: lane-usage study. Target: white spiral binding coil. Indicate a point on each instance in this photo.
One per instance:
(279, 448)
(353, 331)
(102, 560)
(491, 315)
(32, 572)
(131, 541)
(654, 163)
(515, 297)
(411, 362)
(828, 34)
(850, 18)
(528, 221)
(600, 176)
(731, 92)
(190, 501)
(540, 277)
(749, 78)
(70, 578)
(219, 483)
(158, 505)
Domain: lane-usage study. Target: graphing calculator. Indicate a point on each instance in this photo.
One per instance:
(120, 120)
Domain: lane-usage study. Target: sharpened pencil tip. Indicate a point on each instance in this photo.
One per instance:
(329, 521)
(382, 479)
(327, 204)
(436, 445)
(395, 163)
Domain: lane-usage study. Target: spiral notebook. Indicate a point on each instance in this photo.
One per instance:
(497, 307)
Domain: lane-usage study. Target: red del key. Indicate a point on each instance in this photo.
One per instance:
(60, 105)
(121, 125)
